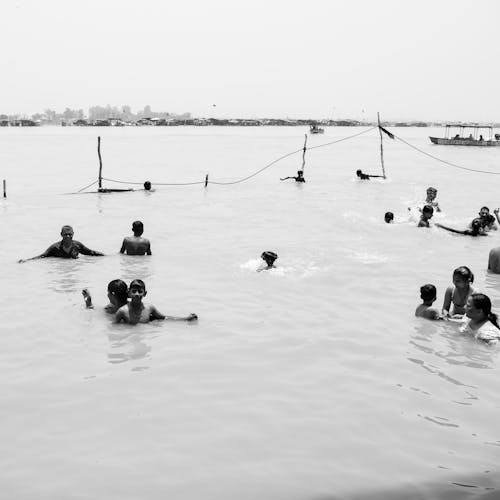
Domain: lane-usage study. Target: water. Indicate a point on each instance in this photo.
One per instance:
(311, 381)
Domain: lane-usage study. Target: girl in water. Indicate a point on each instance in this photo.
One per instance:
(458, 293)
(482, 323)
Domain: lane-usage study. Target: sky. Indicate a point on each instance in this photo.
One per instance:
(409, 60)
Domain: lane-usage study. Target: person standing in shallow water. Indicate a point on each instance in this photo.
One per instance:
(67, 248)
(136, 245)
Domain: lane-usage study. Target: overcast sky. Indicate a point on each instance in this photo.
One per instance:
(425, 59)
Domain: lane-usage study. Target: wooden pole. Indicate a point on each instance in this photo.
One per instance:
(304, 153)
(100, 160)
(381, 146)
(4, 188)
(206, 180)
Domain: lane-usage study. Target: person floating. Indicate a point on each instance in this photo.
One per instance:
(389, 217)
(487, 220)
(117, 295)
(482, 324)
(427, 213)
(136, 245)
(476, 228)
(456, 295)
(136, 311)
(269, 258)
(67, 248)
(299, 178)
(428, 296)
(365, 177)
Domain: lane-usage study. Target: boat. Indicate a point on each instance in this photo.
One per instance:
(467, 134)
(314, 129)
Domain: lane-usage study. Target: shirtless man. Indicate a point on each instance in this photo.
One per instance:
(365, 177)
(67, 248)
(136, 245)
(299, 178)
(136, 311)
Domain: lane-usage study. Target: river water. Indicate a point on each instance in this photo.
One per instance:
(312, 381)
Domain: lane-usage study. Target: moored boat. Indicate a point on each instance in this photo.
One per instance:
(460, 137)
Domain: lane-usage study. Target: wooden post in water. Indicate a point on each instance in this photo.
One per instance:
(100, 161)
(304, 153)
(206, 180)
(381, 146)
(4, 188)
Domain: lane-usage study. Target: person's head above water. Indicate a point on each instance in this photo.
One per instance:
(476, 226)
(428, 292)
(427, 211)
(117, 291)
(300, 173)
(269, 257)
(431, 192)
(147, 185)
(137, 290)
(478, 308)
(463, 276)
(388, 217)
(359, 173)
(67, 232)
(137, 227)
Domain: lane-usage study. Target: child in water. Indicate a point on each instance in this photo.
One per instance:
(269, 258)
(136, 311)
(427, 213)
(482, 323)
(431, 198)
(117, 295)
(428, 296)
(457, 294)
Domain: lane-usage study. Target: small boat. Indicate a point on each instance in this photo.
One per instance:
(314, 129)
(456, 135)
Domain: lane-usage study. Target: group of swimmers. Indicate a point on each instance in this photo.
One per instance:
(125, 302)
(464, 304)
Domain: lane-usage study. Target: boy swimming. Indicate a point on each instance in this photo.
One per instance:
(428, 296)
(269, 258)
(117, 295)
(136, 311)
(136, 245)
(426, 216)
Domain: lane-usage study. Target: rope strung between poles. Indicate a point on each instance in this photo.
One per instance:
(244, 179)
(444, 161)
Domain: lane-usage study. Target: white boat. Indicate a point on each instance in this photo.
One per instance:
(467, 134)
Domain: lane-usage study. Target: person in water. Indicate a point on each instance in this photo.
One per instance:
(67, 248)
(365, 177)
(476, 228)
(269, 258)
(117, 295)
(487, 220)
(136, 245)
(456, 295)
(431, 198)
(494, 260)
(147, 186)
(428, 296)
(299, 178)
(427, 213)
(136, 311)
(389, 217)
(482, 324)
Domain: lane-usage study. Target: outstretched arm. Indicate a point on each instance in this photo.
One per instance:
(41, 256)
(155, 314)
(285, 178)
(450, 229)
(87, 251)
(447, 302)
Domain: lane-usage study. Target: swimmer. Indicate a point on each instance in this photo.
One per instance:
(431, 199)
(136, 245)
(482, 324)
(456, 295)
(147, 186)
(427, 213)
(476, 229)
(487, 220)
(365, 177)
(428, 296)
(117, 295)
(269, 258)
(136, 311)
(389, 217)
(67, 248)
(299, 178)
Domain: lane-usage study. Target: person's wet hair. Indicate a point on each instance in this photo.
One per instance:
(147, 185)
(428, 209)
(428, 292)
(476, 226)
(483, 303)
(137, 227)
(465, 273)
(119, 289)
(269, 257)
(137, 284)
(484, 208)
(388, 217)
(431, 189)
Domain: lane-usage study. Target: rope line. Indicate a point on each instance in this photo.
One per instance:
(444, 161)
(80, 190)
